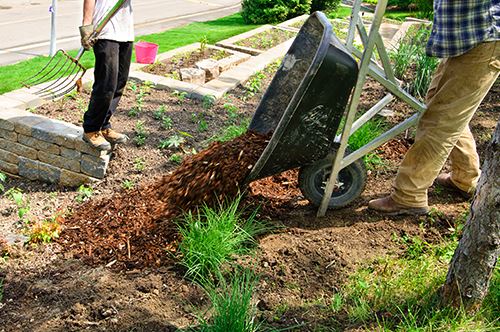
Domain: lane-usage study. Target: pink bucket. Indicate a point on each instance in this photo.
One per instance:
(145, 52)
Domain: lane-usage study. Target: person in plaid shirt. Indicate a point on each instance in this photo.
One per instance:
(466, 35)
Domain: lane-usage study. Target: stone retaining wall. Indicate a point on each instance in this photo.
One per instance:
(38, 148)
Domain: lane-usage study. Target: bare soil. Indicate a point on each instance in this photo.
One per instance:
(267, 39)
(51, 288)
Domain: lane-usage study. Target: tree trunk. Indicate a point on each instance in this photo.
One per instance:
(472, 265)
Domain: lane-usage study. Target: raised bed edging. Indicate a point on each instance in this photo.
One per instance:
(216, 88)
(39, 148)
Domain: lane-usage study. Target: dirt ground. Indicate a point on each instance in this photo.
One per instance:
(304, 259)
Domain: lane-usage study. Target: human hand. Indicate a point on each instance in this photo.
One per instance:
(86, 34)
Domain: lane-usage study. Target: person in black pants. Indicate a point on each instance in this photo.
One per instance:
(113, 51)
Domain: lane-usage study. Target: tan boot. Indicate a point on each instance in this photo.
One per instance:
(96, 140)
(444, 180)
(114, 137)
(388, 206)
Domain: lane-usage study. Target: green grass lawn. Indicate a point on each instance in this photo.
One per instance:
(11, 76)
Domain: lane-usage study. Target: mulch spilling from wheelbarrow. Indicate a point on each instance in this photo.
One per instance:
(136, 228)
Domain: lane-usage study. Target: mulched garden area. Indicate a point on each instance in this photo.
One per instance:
(171, 67)
(135, 228)
(267, 39)
(305, 259)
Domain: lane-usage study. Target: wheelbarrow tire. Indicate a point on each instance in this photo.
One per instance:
(313, 178)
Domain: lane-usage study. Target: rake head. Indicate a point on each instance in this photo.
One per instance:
(58, 77)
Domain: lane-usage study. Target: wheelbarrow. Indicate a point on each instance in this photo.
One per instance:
(303, 108)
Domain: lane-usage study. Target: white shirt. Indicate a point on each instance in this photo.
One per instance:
(121, 26)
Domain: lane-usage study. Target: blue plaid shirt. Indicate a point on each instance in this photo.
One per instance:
(460, 25)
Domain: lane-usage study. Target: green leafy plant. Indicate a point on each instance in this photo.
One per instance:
(212, 236)
(140, 93)
(324, 5)
(84, 193)
(365, 134)
(141, 133)
(232, 112)
(254, 85)
(159, 113)
(44, 231)
(139, 164)
(232, 306)
(174, 141)
(264, 11)
(208, 101)
(203, 44)
(231, 131)
(22, 203)
(176, 158)
(128, 184)
(167, 122)
(180, 95)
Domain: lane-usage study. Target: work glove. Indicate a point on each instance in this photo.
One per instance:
(86, 34)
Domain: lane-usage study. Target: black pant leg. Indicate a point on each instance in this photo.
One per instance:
(124, 58)
(105, 83)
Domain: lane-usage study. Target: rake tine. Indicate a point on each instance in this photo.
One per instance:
(63, 90)
(63, 78)
(38, 77)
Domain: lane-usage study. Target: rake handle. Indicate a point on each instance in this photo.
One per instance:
(100, 25)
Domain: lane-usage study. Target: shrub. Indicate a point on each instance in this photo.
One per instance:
(324, 5)
(269, 11)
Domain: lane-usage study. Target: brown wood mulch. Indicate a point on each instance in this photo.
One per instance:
(136, 228)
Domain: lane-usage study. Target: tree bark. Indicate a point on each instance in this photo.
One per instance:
(475, 258)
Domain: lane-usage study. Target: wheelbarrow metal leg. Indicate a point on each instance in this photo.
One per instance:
(363, 71)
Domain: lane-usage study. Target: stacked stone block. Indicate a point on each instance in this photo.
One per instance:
(39, 148)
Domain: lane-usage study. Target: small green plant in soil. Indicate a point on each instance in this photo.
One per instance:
(254, 85)
(232, 305)
(231, 131)
(208, 101)
(22, 203)
(200, 120)
(139, 164)
(159, 113)
(232, 112)
(180, 95)
(203, 44)
(211, 237)
(167, 122)
(176, 158)
(141, 133)
(84, 193)
(174, 141)
(140, 93)
(128, 184)
(45, 231)
(365, 134)
(3, 178)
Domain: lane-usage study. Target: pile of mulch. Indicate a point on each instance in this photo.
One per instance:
(395, 149)
(136, 228)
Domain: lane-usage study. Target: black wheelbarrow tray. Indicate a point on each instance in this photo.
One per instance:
(303, 108)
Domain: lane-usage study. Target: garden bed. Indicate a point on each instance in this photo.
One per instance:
(259, 40)
(196, 63)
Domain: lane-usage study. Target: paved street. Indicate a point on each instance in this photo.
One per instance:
(25, 25)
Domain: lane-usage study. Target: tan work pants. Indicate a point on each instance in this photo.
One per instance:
(457, 88)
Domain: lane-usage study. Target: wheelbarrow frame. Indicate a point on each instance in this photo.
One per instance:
(383, 73)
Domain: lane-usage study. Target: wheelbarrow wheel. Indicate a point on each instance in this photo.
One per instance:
(350, 183)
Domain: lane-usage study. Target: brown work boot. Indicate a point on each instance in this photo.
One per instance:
(96, 139)
(114, 137)
(388, 206)
(444, 180)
